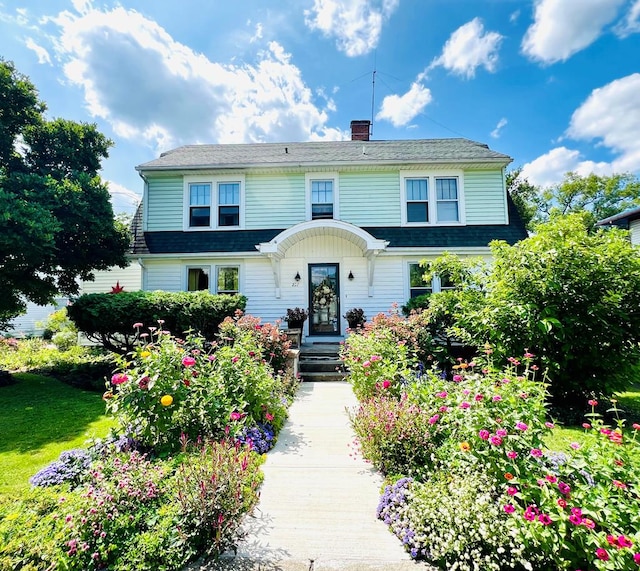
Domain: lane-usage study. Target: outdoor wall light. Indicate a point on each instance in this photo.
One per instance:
(297, 278)
(350, 276)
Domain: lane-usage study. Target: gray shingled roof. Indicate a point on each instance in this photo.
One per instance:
(326, 152)
(622, 219)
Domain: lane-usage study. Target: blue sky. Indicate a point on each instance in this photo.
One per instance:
(553, 83)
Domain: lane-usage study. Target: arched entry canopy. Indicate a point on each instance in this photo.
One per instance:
(276, 248)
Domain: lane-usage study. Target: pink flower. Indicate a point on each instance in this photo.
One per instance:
(457, 378)
(496, 398)
(589, 523)
(484, 434)
(550, 425)
(575, 519)
(619, 484)
(636, 558)
(512, 490)
(529, 514)
(119, 378)
(508, 508)
(235, 359)
(366, 364)
(562, 502)
(466, 392)
(586, 425)
(137, 325)
(536, 452)
(512, 454)
(576, 511)
(636, 426)
(551, 478)
(269, 416)
(235, 416)
(464, 404)
(564, 488)
(602, 554)
(624, 541)
(386, 384)
(501, 432)
(444, 409)
(442, 394)
(593, 402)
(375, 358)
(495, 440)
(575, 445)
(479, 397)
(544, 519)
(521, 426)
(434, 419)
(188, 361)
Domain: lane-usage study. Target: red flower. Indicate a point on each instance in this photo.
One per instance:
(188, 361)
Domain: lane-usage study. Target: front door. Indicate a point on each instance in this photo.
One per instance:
(324, 299)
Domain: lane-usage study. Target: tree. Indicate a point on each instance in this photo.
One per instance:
(56, 220)
(569, 296)
(524, 194)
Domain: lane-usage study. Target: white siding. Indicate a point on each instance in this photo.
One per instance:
(165, 204)
(32, 322)
(130, 278)
(274, 201)
(634, 228)
(370, 199)
(485, 199)
(163, 275)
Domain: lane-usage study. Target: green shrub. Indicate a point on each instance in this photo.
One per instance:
(61, 330)
(109, 318)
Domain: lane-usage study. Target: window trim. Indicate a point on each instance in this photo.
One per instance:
(436, 282)
(217, 269)
(214, 205)
(213, 274)
(432, 199)
(317, 176)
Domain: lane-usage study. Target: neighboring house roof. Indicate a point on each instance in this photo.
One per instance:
(421, 151)
(621, 219)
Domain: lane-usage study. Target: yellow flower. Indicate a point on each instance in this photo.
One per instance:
(166, 400)
(145, 354)
(11, 516)
(465, 447)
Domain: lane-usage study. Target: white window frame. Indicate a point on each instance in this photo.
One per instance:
(321, 176)
(214, 181)
(431, 177)
(436, 282)
(217, 269)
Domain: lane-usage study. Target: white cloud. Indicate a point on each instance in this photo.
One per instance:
(41, 53)
(356, 25)
(631, 23)
(153, 89)
(469, 48)
(497, 131)
(563, 27)
(612, 115)
(550, 168)
(513, 17)
(401, 109)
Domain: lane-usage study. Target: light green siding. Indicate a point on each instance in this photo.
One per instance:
(274, 201)
(484, 197)
(370, 199)
(165, 203)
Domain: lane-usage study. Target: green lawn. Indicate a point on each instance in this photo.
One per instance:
(42, 417)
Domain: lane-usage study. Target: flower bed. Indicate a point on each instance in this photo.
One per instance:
(483, 491)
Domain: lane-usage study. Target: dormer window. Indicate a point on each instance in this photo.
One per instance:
(199, 205)
(431, 198)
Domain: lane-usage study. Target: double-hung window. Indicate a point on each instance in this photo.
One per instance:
(321, 199)
(417, 284)
(199, 205)
(431, 198)
(228, 204)
(213, 203)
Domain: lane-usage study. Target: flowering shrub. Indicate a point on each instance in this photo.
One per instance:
(396, 436)
(216, 487)
(168, 387)
(71, 467)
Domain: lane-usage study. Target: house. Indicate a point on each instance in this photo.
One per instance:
(629, 220)
(326, 226)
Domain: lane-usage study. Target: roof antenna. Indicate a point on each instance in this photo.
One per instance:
(373, 89)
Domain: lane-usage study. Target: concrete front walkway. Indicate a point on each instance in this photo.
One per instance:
(318, 501)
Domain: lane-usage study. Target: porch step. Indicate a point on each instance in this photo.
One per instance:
(321, 362)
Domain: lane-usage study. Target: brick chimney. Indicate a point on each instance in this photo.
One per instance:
(360, 130)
